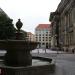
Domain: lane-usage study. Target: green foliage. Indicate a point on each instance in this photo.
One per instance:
(6, 27)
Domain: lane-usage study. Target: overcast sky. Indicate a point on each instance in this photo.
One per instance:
(31, 12)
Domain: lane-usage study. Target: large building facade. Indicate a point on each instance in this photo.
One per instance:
(63, 24)
(43, 36)
(31, 37)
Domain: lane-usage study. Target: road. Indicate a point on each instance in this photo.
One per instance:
(65, 63)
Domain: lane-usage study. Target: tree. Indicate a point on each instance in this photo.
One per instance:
(6, 27)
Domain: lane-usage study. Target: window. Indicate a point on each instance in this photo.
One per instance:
(43, 34)
(43, 43)
(42, 38)
(39, 34)
(46, 38)
(39, 38)
(46, 34)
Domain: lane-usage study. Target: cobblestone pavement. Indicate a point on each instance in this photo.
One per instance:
(65, 63)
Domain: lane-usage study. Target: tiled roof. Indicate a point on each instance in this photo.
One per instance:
(43, 26)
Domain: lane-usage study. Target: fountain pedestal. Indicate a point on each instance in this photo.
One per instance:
(18, 50)
(18, 53)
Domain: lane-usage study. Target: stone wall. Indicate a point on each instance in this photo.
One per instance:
(66, 23)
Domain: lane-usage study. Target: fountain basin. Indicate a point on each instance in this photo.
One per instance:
(18, 60)
(17, 44)
(36, 70)
(39, 67)
(18, 52)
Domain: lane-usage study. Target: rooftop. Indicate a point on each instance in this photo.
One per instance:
(43, 26)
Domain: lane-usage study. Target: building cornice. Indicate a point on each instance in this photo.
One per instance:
(66, 6)
(69, 7)
(62, 5)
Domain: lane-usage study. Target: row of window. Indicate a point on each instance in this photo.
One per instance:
(43, 34)
(43, 39)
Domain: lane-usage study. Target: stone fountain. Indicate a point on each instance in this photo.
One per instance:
(18, 50)
(18, 60)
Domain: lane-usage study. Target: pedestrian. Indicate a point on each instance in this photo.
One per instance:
(73, 50)
(66, 49)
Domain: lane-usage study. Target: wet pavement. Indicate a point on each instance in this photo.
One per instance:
(64, 62)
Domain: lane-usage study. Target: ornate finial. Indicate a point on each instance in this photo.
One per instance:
(19, 24)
